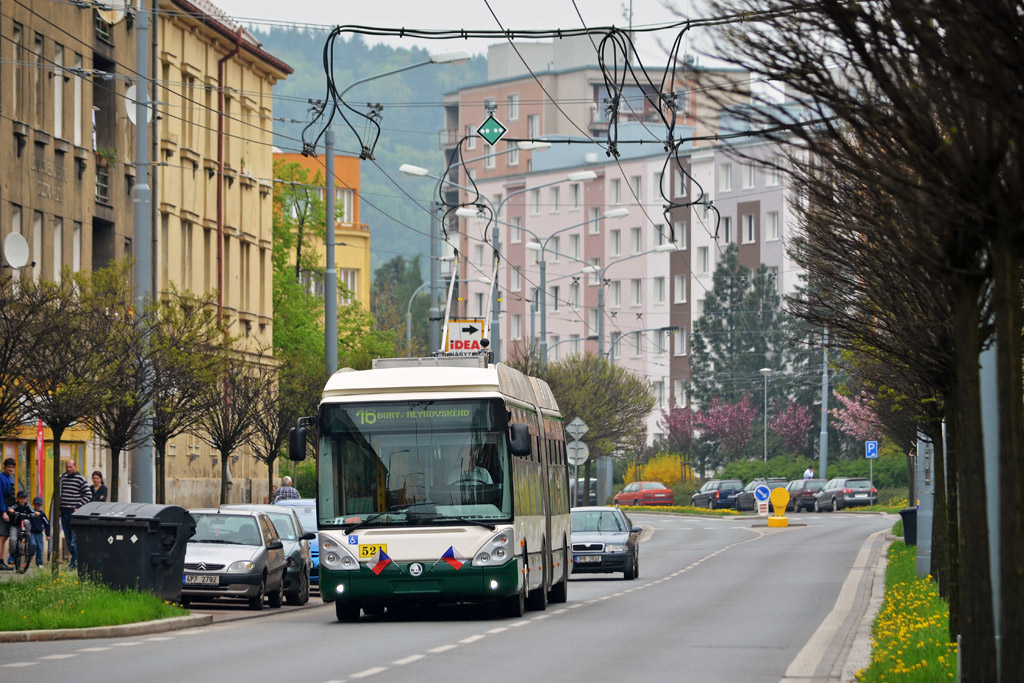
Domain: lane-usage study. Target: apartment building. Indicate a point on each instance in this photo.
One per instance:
(213, 201)
(64, 181)
(351, 235)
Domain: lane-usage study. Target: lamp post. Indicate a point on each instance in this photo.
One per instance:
(766, 372)
(660, 249)
(592, 337)
(408, 319)
(541, 246)
(465, 212)
(330, 272)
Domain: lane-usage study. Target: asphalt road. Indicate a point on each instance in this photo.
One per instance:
(716, 600)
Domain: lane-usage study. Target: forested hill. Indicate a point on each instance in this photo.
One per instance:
(412, 117)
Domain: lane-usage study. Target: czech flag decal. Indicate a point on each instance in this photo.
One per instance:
(378, 563)
(452, 557)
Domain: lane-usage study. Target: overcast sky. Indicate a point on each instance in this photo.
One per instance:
(469, 14)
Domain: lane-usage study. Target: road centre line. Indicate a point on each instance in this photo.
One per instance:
(17, 665)
(408, 660)
(94, 649)
(130, 643)
(472, 639)
(68, 655)
(500, 629)
(370, 672)
(442, 648)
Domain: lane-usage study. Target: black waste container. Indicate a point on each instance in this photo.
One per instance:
(134, 545)
(909, 516)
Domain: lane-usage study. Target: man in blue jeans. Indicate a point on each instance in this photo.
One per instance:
(74, 493)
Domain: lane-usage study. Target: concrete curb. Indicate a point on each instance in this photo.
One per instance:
(859, 656)
(141, 628)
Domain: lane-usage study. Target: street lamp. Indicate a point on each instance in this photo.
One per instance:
(592, 337)
(766, 372)
(667, 247)
(541, 246)
(611, 347)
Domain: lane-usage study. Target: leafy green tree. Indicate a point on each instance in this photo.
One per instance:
(393, 285)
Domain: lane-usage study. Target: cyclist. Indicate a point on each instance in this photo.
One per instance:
(21, 542)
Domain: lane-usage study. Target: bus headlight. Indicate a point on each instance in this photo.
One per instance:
(495, 551)
(336, 556)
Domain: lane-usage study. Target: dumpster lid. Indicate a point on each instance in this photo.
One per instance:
(141, 512)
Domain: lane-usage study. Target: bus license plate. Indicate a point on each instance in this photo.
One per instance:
(369, 550)
(586, 559)
(201, 580)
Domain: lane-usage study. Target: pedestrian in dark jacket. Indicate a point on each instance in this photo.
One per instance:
(7, 500)
(39, 524)
(74, 493)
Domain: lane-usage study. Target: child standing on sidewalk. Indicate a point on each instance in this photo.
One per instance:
(39, 524)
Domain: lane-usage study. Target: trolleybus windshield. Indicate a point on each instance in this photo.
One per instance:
(402, 463)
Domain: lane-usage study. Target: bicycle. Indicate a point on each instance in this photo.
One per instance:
(22, 548)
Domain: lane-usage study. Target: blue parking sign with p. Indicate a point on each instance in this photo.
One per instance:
(870, 449)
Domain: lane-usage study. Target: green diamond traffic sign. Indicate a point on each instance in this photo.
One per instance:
(491, 131)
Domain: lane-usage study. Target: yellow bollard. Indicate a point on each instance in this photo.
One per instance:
(779, 499)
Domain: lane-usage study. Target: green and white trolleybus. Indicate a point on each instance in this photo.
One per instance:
(439, 480)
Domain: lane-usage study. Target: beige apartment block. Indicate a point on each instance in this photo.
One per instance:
(213, 195)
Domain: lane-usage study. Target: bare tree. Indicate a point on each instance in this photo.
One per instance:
(16, 320)
(186, 351)
(232, 404)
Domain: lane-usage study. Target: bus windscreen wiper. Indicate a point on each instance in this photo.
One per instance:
(393, 508)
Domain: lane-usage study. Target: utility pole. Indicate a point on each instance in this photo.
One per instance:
(142, 456)
(330, 273)
(823, 456)
(434, 312)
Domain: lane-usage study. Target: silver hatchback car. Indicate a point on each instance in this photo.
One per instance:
(234, 554)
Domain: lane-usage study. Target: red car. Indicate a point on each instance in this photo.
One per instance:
(645, 493)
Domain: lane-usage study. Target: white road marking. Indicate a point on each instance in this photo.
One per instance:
(94, 649)
(408, 660)
(370, 672)
(442, 648)
(472, 639)
(64, 656)
(500, 629)
(18, 665)
(809, 657)
(130, 643)
(517, 624)
(158, 639)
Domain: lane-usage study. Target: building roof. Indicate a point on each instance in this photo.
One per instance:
(210, 15)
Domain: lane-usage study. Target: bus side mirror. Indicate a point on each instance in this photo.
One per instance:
(519, 439)
(297, 443)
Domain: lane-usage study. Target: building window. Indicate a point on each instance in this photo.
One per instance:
(512, 150)
(533, 126)
(478, 254)
(636, 288)
(703, 262)
(659, 235)
(748, 176)
(517, 326)
(574, 246)
(574, 295)
(698, 308)
(679, 289)
(725, 178)
(535, 202)
(659, 393)
(512, 107)
(554, 199)
(727, 229)
(679, 233)
(489, 159)
(37, 243)
(574, 344)
(773, 225)
(186, 255)
(592, 319)
(615, 191)
(683, 101)
(345, 203)
(771, 173)
(553, 347)
(594, 221)
(680, 186)
(76, 247)
(515, 279)
(516, 230)
(77, 111)
(58, 247)
(574, 196)
(555, 244)
(17, 35)
(58, 91)
(659, 290)
(595, 277)
(638, 345)
(555, 298)
(634, 185)
(614, 242)
(679, 342)
(657, 184)
(636, 241)
(614, 294)
(470, 138)
(748, 228)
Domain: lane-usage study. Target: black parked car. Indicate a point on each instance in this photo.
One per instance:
(745, 499)
(844, 492)
(717, 493)
(802, 493)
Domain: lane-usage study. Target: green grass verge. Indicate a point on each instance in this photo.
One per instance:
(687, 509)
(910, 636)
(42, 602)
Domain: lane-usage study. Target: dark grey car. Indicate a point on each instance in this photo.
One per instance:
(604, 541)
(844, 492)
(717, 493)
(296, 549)
(745, 499)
